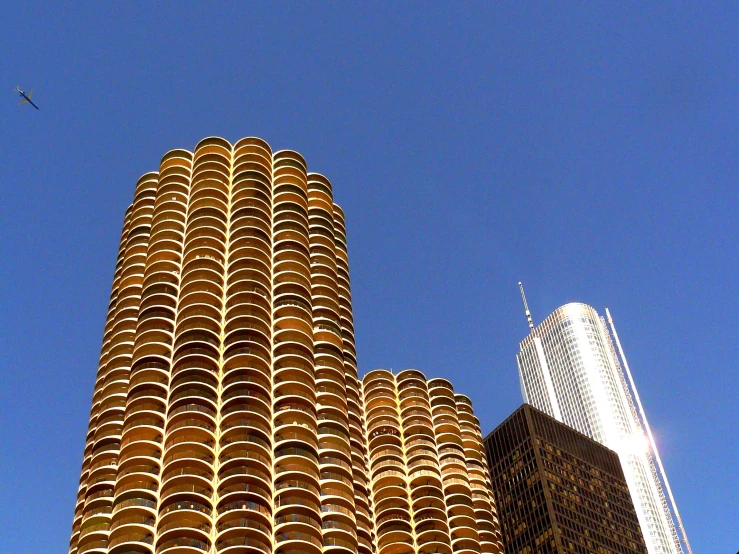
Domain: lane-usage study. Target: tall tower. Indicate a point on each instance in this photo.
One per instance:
(227, 412)
(228, 417)
(569, 369)
(430, 480)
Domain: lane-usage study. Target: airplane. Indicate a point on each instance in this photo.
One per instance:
(26, 97)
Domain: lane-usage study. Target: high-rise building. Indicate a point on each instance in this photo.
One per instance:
(569, 368)
(227, 414)
(430, 480)
(559, 491)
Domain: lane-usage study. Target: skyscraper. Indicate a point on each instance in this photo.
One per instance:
(227, 414)
(558, 491)
(430, 480)
(569, 369)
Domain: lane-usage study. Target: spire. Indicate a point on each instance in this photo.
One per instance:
(526, 307)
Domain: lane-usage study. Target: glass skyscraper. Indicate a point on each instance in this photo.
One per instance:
(569, 368)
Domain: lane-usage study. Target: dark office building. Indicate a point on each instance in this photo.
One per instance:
(559, 491)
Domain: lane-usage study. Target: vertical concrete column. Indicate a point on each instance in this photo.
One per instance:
(244, 505)
(297, 504)
(186, 507)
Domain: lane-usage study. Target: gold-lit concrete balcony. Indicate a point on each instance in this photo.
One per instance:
(181, 522)
(238, 534)
(92, 547)
(395, 538)
(252, 155)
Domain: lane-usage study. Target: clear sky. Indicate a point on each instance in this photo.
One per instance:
(587, 150)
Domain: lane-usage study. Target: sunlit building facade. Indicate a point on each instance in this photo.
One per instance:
(569, 369)
(227, 414)
(430, 480)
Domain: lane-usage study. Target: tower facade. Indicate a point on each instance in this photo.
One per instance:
(227, 414)
(559, 491)
(569, 369)
(430, 481)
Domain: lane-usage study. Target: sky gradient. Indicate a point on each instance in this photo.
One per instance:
(588, 151)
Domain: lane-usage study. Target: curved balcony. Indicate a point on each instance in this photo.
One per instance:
(242, 543)
(193, 377)
(249, 243)
(197, 267)
(384, 413)
(207, 243)
(298, 540)
(201, 292)
(182, 526)
(197, 354)
(434, 541)
(395, 537)
(149, 374)
(197, 453)
(93, 547)
(246, 327)
(131, 541)
(141, 503)
(246, 477)
(248, 298)
(200, 279)
(204, 257)
(253, 276)
(252, 213)
(248, 315)
(249, 147)
(378, 397)
(252, 180)
(193, 393)
(93, 531)
(136, 466)
(293, 221)
(291, 189)
(291, 312)
(131, 522)
(210, 182)
(242, 534)
(138, 483)
(241, 383)
(183, 545)
(196, 430)
(255, 339)
(183, 510)
(245, 508)
(251, 200)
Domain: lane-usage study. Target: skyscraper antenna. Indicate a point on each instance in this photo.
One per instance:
(526, 306)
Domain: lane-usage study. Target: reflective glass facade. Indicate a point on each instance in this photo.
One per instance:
(569, 369)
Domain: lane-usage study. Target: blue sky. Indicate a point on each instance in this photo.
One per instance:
(588, 150)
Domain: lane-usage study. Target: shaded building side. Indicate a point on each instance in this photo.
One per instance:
(558, 491)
